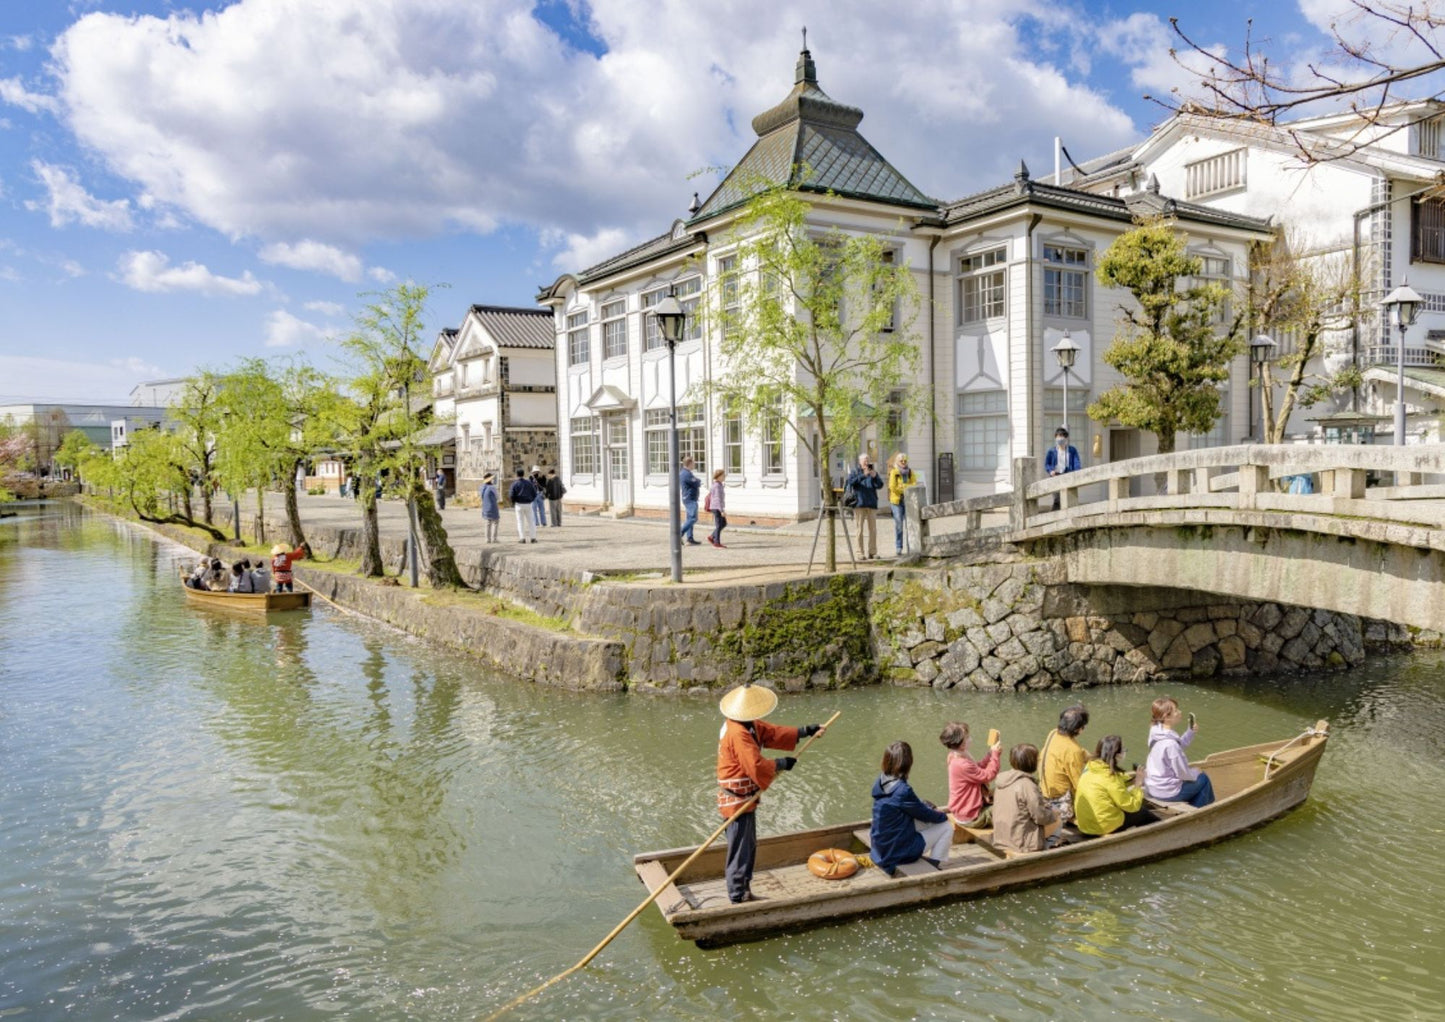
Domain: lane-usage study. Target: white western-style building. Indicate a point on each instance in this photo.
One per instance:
(1005, 272)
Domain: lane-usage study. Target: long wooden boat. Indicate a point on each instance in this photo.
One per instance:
(259, 603)
(1253, 785)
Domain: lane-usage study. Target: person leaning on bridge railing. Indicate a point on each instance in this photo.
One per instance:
(1062, 457)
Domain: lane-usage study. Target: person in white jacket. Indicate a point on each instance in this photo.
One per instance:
(1168, 777)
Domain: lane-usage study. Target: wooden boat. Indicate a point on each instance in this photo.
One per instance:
(1253, 785)
(252, 602)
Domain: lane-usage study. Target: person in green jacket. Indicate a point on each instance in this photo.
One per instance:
(1104, 801)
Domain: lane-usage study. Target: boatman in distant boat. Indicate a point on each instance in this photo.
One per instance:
(743, 771)
(281, 559)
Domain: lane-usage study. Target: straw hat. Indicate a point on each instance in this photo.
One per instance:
(748, 702)
(278, 549)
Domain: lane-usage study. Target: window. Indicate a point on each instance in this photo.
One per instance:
(1078, 417)
(730, 292)
(733, 444)
(773, 441)
(651, 335)
(1428, 136)
(1216, 270)
(578, 347)
(1427, 231)
(690, 441)
(893, 435)
(614, 329)
(890, 257)
(617, 447)
(1215, 174)
(583, 436)
(689, 293)
(982, 430)
(981, 286)
(1065, 281)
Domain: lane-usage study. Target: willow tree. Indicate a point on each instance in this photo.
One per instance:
(814, 332)
(75, 449)
(196, 413)
(383, 426)
(1175, 340)
(152, 467)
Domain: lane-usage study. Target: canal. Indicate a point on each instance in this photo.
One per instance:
(207, 817)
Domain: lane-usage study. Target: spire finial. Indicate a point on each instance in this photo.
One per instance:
(807, 71)
(805, 37)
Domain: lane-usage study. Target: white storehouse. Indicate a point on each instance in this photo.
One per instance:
(495, 379)
(1005, 273)
(1370, 193)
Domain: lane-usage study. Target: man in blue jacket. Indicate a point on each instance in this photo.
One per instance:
(861, 493)
(1062, 457)
(689, 484)
(522, 494)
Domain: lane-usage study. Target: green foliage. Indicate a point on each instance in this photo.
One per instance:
(196, 412)
(75, 449)
(1171, 350)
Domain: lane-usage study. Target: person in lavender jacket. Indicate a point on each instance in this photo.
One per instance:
(1168, 777)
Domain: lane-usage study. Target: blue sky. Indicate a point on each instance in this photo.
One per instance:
(182, 185)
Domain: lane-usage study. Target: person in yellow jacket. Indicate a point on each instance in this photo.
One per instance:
(1104, 802)
(1062, 761)
(900, 477)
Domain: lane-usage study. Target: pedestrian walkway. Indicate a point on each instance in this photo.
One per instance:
(590, 542)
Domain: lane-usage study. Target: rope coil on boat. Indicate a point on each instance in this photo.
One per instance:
(1320, 730)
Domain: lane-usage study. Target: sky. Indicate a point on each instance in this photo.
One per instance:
(183, 185)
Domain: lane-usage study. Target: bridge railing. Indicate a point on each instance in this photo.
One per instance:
(1405, 485)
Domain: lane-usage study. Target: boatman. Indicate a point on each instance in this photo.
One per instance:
(743, 771)
(281, 558)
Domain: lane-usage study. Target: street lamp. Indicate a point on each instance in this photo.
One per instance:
(670, 321)
(1402, 305)
(1066, 351)
(1260, 350)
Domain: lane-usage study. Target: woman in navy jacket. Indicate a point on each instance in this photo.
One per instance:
(904, 826)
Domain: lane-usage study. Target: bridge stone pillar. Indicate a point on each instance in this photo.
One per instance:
(1025, 471)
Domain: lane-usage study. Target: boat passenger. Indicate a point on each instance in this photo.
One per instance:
(197, 578)
(242, 581)
(1168, 776)
(968, 794)
(263, 576)
(905, 828)
(218, 579)
(281, 558)
(743, 771)
(1063, 761)
(1105, 801)
(1020, 817)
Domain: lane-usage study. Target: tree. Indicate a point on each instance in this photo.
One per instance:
(815, 332)
(153, 465)
(75, 450)
(1379, 46)
(1172, 348)
(381, 427)
(196, 413)
(1301, 301)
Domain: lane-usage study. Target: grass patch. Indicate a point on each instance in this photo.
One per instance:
(486, 603)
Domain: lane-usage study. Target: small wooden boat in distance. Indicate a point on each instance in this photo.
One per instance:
(258, 603)
(1253, 785)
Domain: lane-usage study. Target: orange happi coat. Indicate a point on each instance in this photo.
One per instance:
(281, 564)
(742, 769)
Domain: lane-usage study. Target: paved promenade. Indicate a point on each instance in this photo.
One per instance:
(594, 543)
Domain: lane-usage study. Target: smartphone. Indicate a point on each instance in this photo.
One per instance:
(1191, 722)
(992, 737)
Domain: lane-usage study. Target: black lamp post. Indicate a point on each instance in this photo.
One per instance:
(1402, 305)
(670, 323)
(1066, 351)
(1260, 351)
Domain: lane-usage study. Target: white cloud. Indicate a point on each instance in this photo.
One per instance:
(151, 271)
(28, 376)
(14, 92)
(313, 255)
(380, 274)
(284, 330)
(331, 309)
(359, 120)
(581, 251)
(21, 42)
(68, 202)
(1146, 44)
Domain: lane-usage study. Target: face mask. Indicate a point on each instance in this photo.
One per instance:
(1061, 441)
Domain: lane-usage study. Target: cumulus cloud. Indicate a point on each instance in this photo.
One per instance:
(315, 256)
(284, 330)
(578, 251)
(358, 120)
(1144, 42)
(331, 309)
(151, 271)
(68, 202)
(380, 274)
(14, 92)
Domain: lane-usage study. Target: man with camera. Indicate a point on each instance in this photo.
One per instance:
(860, 493)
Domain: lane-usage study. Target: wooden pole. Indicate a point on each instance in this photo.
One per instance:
(647, 901)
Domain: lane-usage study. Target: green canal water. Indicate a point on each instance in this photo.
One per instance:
(206, 817)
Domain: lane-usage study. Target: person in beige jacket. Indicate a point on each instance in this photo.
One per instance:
(1019, 813)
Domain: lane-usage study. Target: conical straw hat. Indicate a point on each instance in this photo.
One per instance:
(278, 550)
(748, 702)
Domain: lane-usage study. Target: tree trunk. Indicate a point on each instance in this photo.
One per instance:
(261, 514)
(215, 533)
(293, 513)
(1166, 446)
(206, 497)
(371, 565)
(432, 543)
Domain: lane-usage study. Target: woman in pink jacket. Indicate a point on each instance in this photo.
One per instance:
(716, 503)
(968, 780)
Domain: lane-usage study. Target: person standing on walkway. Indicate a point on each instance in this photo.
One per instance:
(690, 485)
(439, 484)
(539, 502)
(491, 510)
(716, 502)
(863, 485)
(743, 771)
(522, 495)
(555, 491)
(900, 477)
(1062, 457)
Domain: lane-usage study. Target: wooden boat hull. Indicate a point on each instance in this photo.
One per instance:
(792, 898)
(256, 603)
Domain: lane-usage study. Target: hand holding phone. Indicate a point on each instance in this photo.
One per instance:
(1192, 726)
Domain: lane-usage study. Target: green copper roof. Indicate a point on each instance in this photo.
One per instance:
(810, 142)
